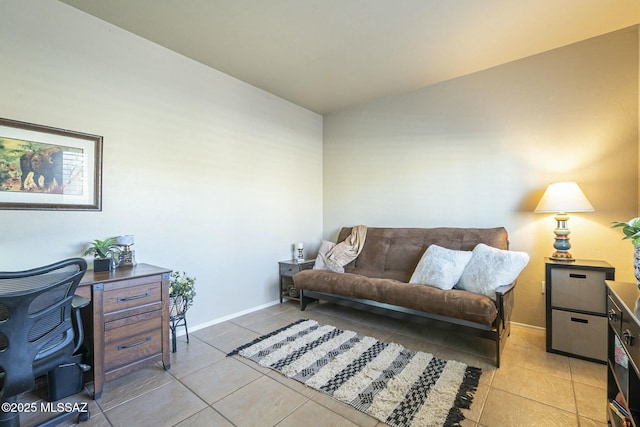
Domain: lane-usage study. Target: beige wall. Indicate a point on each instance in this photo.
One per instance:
(479, 151)
(211, 175)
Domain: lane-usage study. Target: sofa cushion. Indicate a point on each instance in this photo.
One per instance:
(453, 303)
(393, 253)
(490, 268)
(440, 267)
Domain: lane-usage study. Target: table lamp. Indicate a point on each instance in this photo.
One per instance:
(560, 198)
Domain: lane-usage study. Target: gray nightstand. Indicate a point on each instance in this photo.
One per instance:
(577, 308)
(287, 270)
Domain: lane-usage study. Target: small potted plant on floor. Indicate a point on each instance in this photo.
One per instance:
(182, 291)
(105, 254)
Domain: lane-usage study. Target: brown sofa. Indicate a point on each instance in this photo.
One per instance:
(377, 280)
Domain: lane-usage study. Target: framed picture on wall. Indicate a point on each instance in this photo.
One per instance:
(47, 168)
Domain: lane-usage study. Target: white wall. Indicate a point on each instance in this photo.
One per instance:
(479, 151)
(219, 179)
(211, 175)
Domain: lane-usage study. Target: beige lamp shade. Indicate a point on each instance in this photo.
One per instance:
(564, 197)
(560, 198)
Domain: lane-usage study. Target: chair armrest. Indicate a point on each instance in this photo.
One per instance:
(79, 302)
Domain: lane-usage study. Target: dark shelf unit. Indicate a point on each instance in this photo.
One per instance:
(623, 343)
(576, 301)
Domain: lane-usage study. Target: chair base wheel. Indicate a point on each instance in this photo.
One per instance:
(83, 416)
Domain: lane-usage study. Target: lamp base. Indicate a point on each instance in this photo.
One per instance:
(564, 257)
(561, 243)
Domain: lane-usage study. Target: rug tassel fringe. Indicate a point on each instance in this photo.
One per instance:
(257, 340)
(468, 387)
(464, 398)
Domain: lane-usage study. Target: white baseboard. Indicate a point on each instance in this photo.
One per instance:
(530, 327)
(197, 327)
(260, 307)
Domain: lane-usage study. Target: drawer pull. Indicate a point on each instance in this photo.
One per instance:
(135, 297)
(577, 276)
(612, 315)
(134, 344)
(627, 337)
(576, 319)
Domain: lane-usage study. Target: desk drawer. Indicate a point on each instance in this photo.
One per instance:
(133, 342)
(130, 297)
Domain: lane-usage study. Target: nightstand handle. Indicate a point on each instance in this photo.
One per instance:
(577, 276)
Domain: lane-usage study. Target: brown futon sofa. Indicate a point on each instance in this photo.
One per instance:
(378, 280)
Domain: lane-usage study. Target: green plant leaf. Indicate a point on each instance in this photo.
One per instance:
(630, 229)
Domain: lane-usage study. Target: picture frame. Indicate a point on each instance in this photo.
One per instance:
(47, 168)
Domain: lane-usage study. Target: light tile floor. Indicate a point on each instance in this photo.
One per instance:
(205, 388)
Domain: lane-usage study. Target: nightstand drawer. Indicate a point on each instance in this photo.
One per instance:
(289, 269)
(580, 334)
(578, 289)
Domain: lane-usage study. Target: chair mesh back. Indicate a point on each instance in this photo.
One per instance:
(36, 332)
(49, 321)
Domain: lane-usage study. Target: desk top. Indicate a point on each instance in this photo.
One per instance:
(128, 272)
(627, 294)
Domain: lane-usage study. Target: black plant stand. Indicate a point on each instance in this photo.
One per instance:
(177, 317)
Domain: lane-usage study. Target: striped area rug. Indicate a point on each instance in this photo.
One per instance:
(399, 387)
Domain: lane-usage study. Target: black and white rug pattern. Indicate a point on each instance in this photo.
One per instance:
(399, 387)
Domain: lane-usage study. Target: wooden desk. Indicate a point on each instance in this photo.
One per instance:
(127, 322)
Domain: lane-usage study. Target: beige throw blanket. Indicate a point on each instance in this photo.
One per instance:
(348, 250)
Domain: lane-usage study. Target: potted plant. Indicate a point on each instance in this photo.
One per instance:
(182, 291)
(631, 230)
(105, 253)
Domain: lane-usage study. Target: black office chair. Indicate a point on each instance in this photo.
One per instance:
(36, 330)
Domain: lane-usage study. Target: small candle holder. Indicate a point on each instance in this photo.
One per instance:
(127, 255)
(300, 255)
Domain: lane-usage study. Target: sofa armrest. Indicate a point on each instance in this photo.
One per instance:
(503, 290)
(505, 301)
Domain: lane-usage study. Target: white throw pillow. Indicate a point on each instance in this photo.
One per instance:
(490, 268)
(440, 267)
(325, 246)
